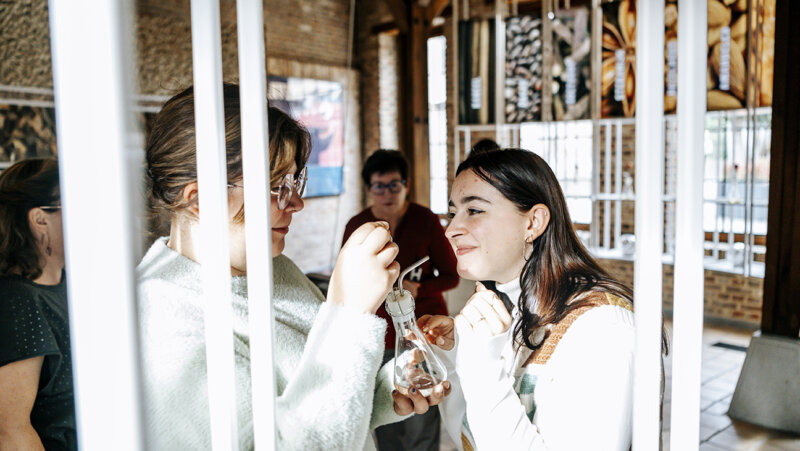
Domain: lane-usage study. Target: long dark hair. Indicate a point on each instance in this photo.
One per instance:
(25, 185)
(560, 269)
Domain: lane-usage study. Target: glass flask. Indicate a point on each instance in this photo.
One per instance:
(415, 365)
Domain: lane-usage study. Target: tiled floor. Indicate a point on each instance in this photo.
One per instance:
(721, 369)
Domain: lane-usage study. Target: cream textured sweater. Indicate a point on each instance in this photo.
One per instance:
(331, 392)
(573, 395)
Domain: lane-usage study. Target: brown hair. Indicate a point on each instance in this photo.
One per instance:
(560, 269)
(25, 185)
(172, 156)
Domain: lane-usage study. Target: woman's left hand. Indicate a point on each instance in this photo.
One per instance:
(485, 315)
(413, 401)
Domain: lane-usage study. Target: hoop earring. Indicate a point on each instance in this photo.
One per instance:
(525, 248)
(48, 249)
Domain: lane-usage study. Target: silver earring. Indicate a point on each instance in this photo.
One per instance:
(525, 248)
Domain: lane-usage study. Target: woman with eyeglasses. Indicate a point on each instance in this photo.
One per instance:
(327, 355)
(418, 233)
(37, 409)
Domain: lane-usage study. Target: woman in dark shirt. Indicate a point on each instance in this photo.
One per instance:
(36, 399)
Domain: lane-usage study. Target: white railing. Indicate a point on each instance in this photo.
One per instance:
(101, 161)
(689, 280)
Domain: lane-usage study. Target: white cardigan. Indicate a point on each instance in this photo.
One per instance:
(581, 398)
(327, 358)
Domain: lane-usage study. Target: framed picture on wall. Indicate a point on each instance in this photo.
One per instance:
(317, 104)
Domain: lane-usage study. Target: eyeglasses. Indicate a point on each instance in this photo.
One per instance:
(394, 187)
(288, 184)
(49, 208)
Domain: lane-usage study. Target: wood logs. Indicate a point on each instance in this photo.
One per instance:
(523, 81)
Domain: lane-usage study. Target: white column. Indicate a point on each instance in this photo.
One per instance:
(689, 275)
(214, 255)
(255, 163)
(92, 63)
(649, 222)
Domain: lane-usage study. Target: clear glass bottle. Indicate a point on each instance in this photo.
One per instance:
(415, 364)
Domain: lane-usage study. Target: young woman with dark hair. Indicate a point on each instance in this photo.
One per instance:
(556, 371)
(330, 388)
(37, 409)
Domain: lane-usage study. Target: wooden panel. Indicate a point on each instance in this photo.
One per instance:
(781, 308)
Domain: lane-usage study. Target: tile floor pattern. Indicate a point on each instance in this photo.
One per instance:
(720, 372)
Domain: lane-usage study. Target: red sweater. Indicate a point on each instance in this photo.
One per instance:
(418, 234)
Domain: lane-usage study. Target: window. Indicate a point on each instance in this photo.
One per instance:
(437, 123)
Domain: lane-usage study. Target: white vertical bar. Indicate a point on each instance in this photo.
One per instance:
(607, 183)
(467, 142)
(717, 176)
(618, 184)
(687, 317)
(730, 143)
(92, 63)
(593, 227)
(499, 71)
(255, 165)
(649, 223)
(456, 150)
(213, 198)
(454, 52)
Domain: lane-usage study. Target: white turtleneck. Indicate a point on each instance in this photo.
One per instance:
(582, 396)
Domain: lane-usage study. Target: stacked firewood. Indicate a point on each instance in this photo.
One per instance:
(523, 81)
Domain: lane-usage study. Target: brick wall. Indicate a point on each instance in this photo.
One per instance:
(304, 38)
(369, 50)
(729, 299)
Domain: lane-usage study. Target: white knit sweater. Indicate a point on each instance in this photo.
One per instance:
(327, 357)
(580, 399)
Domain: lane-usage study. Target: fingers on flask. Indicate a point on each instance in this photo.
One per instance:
(415, 365)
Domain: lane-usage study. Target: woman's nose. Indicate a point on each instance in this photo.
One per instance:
(454, 229)
(295, 203)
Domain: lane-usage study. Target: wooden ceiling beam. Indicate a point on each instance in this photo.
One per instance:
(435, 9)
(399, 10)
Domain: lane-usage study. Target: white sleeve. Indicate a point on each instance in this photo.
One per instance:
(328, 402)
(452, 408)
(584, 401)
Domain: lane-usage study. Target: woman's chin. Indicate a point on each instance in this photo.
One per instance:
(278, 246)
(466, 273)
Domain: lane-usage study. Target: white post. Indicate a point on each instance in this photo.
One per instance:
(689, 278)
(649, 222)
(213, 198)
(92, 82)
(255, 163)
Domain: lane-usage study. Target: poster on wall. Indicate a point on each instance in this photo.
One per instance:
(618, 79)
(26, 132)
(317, 104)
(476, 71)
(572, 46)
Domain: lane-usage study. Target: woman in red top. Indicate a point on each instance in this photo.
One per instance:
(418, 233)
